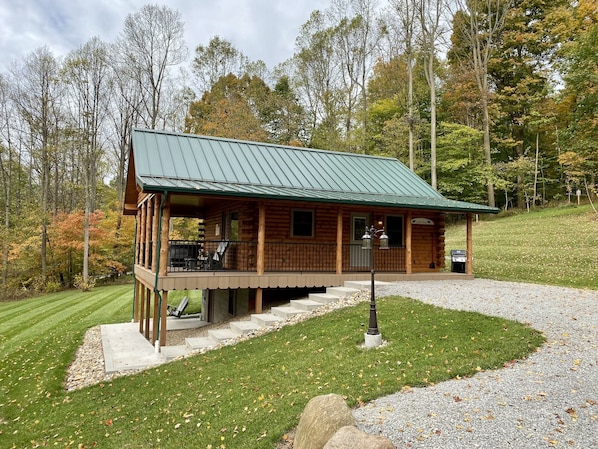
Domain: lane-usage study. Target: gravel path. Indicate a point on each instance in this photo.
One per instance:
(548, 400)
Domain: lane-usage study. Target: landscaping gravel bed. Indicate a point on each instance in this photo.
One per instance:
(547, 400)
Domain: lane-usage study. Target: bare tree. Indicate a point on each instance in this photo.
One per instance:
(37, 97)
(6, 168)
(358, 34)
(87, 75)
(316, 78)
(125, 110)
(151, 42)
(406, 12)
(431, 16)
(481, 26)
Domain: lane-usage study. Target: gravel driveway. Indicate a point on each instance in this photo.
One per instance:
(547, 400)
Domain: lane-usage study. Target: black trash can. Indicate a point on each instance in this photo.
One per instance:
(458, 260)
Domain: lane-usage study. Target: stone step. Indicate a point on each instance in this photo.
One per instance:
(265, 319)
(342, 291)
(172, 352)
(305, 304)
(324, 298)
(200, 342)
(221, 335)
(244, 327)
(286, 312)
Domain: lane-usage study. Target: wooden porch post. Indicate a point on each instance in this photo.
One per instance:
(469, 251)
(149, 215)
(339, 241)
(408, 251)
(164, 267)
(141, 290)
(155, 236)
(138, 236)
(148, 301)
(155, 319)
(142, 237)
(136, 307)
(261, 256)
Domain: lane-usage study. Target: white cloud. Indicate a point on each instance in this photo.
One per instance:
(261, 29)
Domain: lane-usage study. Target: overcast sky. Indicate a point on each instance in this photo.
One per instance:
(261, 29)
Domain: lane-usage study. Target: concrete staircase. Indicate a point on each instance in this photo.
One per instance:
(261, 320)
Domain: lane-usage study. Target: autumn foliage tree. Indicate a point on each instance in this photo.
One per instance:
(516, 104)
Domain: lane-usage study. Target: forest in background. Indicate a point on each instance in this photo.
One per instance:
(490, 101)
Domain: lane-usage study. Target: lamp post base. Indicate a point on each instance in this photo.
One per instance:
(372, 341)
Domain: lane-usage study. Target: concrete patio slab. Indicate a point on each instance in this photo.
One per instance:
(126, 349)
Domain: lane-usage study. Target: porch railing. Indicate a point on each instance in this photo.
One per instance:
(187, 255)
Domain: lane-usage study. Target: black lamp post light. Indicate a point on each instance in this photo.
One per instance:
(373, 338)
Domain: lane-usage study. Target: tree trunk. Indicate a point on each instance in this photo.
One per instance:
(432, 84)
(410, 101)
(487, 151)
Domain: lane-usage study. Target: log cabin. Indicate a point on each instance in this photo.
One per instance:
(273, 217)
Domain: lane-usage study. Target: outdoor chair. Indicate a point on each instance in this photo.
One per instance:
(178, 310)
(217, 259)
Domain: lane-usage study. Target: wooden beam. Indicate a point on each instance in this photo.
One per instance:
(339, 241)
(258, 300)
(164, 238)
(155, 236)
(161, 312)
(148, 299)
(155, 319)
(163, 316)
(261, 239)
(137, 235)
(141, 236)
(141, 289)
(149, 216)
(136, 302)
(469, 251)
(408, 250)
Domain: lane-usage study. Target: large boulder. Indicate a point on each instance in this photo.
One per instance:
(321, 418)
(350, 437)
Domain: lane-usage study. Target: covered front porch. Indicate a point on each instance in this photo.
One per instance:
(238, 252)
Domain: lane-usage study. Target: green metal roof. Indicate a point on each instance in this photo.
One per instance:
(165, 161)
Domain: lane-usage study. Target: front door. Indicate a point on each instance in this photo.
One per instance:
(359, 258)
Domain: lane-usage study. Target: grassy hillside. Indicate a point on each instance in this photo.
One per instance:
(250, 394)
(553, 246)
(243, 396)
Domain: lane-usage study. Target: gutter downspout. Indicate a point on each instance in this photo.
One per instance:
(157, 319)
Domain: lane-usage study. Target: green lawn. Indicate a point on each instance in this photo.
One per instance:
(551, 246)
(244, 396)
(248, 395)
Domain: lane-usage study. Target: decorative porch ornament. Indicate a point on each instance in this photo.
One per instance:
(373, 337)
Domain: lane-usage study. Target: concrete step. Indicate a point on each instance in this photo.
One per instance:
(172, 352)
(285, 312)
(324, 298)
(265, 319)
(305, 304)
(244, 327)
(364, 285)
(342, 291)
(221, 335)
(200, 342)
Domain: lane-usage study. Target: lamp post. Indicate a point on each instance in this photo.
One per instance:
(373, 338)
